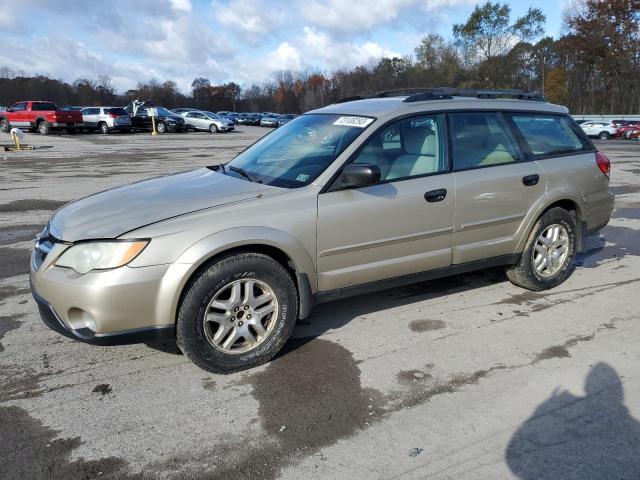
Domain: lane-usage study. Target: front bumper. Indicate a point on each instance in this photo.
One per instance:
(137, 335)
(102, 307)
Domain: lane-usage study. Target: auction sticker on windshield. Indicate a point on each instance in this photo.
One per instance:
(350, 121)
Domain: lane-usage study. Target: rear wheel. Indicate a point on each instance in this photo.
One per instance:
(213, 128)
(604, 135)
(4, 125)
(104, 128)
(44, 127)
(548, 257)
(237, 314)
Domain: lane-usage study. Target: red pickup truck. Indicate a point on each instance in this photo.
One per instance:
(39, 116)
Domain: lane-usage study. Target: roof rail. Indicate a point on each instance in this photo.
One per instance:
(447, 93)
(351, 99)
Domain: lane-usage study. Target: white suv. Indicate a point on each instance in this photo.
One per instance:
(602, 130)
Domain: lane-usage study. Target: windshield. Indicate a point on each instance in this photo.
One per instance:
(295, 154)
(164, 111)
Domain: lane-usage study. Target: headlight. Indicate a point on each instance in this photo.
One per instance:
(84, 257)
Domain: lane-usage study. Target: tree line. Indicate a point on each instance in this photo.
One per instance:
(593, 67)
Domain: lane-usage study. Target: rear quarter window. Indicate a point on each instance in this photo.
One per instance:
(44, 107)
(550, 134)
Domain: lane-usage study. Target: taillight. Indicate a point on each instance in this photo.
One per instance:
(603, 163)
(113, 115)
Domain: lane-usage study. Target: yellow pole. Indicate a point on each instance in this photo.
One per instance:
(153, 124)
(15, 140)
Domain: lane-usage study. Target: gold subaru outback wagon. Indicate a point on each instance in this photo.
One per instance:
(356, 196)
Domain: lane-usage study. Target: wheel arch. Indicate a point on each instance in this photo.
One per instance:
(567, 202)
(280, 246)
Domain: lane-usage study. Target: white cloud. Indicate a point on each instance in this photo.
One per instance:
(181, 5)
(253, 17)
(224, 40)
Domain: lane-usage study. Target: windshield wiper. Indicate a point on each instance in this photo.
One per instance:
(245, 174)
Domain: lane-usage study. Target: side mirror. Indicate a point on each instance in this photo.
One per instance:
(357, 175)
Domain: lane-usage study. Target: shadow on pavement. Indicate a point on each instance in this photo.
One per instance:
(579, 438)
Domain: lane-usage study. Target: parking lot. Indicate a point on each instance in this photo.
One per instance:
(468, 377)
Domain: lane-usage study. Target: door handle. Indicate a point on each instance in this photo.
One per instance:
(530, 180)
(435, 195)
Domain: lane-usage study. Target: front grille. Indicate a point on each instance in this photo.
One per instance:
(44, 243)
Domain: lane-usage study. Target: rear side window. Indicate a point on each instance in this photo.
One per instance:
(117, 111)
(44, 106)
(550, 134)
(481, 139)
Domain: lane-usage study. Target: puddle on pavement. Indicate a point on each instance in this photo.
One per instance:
(18, 233)
(424, 325)
(26, 205)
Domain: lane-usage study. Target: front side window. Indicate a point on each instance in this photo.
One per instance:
(19, 107)
(407, 148)
(549, 134)
(481, 139)
(295, 154)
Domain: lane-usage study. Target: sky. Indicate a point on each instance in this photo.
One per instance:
(245, 41)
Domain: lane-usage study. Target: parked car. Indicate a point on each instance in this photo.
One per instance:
(270, 120)
(180, 111)
(602, 130)
(72, 108)
(198, 120)
(106, 119)
(623, 131)
(633, 134)
(350, 198)
(3, 109)
(286, 118)
(166, 120)
(40, 116)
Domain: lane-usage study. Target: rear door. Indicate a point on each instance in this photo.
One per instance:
(398, 227)
(495, 186)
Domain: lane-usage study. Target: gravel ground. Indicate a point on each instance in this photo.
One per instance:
(463, 378)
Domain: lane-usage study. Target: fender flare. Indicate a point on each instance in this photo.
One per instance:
(189, 261)
(545, 202)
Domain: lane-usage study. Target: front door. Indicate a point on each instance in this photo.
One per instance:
(398, 227)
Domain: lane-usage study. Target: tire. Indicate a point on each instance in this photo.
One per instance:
(104, 128)
(213, 128)
(5, 126)
(161, 127)
(44, 127)
(525, 274)
(604, 135)
(196, 337)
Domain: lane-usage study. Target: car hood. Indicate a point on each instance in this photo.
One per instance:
(112, 213)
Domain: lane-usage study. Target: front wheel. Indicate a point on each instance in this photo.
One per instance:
(604, 135)
(213, 128)
(161, 127)
(549, 255)
(237, 314)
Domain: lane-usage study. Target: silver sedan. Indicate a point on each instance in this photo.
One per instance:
(199, 120)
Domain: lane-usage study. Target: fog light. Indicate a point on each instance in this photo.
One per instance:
(79, 318)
